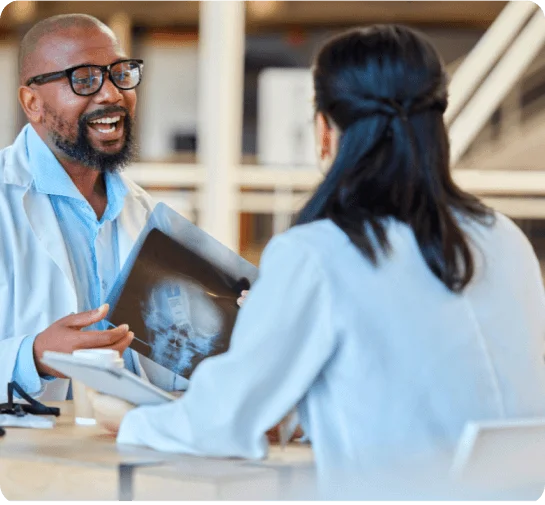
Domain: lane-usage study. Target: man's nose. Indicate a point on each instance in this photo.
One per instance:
(109, 93)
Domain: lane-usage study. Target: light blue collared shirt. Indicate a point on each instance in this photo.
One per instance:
(91, 243)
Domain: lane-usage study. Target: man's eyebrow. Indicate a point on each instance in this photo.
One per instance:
(78, 65)
(117, 60)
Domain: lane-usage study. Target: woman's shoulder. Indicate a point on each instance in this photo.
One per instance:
(320, 236)
(315, 242)
(325, 240)
(497, 228)
(308, 257)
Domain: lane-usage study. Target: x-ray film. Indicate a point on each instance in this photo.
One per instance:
(178, 292)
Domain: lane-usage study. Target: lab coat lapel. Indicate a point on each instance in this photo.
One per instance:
(131, 222)
(37, 206)
(45, 226)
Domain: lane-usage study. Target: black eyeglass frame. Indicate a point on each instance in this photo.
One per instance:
(53, 76)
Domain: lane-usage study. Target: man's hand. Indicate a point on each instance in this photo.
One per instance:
(66, 335)
(243, 296)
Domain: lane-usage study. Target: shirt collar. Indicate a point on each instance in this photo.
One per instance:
(50, 177)
(116, 191)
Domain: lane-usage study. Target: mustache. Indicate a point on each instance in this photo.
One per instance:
(112, 109)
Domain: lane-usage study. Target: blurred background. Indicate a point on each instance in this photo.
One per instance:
(224, 117)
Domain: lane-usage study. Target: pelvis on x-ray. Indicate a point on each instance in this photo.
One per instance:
(184, 323)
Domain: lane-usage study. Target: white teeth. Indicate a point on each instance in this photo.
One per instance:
(107, 130)
(106, 120)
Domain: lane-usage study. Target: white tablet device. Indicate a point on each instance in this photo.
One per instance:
(103, 378)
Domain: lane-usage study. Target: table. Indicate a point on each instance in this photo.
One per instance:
(285, 475)
(71, 462)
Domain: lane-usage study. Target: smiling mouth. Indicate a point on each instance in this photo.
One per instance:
(105, 124)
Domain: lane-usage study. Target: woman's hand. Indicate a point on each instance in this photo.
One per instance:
(273, 434)
(243, 296)
(109, 411)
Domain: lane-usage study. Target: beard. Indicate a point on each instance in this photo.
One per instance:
(81, 149)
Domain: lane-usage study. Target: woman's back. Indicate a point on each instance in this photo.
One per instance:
(414, 361)
(389, 321)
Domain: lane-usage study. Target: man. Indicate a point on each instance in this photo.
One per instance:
(68, 218)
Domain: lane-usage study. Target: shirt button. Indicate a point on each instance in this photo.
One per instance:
(104, 285)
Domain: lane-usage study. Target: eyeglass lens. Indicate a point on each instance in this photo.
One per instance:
(125, 75)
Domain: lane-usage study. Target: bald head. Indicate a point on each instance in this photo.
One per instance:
(30, 52)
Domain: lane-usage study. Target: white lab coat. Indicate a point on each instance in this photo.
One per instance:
(36, 282)
(384, 363)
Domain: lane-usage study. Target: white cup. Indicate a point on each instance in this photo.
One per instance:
(83, 410)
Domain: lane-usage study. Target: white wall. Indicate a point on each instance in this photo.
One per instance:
(8, 93)
(167, 96)
(285, 132)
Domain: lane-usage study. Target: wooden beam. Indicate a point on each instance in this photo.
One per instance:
(289, 13)
(467, 13)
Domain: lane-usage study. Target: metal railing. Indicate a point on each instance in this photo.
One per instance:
(488, 50)
(504, 54)
(281, 191)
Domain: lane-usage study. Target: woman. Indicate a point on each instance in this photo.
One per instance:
(399, 307)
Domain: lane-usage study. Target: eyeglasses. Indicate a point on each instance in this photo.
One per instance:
(86, 80)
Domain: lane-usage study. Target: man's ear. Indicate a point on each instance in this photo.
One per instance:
(31, 103)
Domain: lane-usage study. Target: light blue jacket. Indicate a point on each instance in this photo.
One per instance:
(384, 363)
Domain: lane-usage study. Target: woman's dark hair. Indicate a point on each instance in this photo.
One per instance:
(385, 88)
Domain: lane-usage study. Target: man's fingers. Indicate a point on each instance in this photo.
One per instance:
(123, 343)
(84, 319)
(105, 338)
(273, 435)
(242, 298)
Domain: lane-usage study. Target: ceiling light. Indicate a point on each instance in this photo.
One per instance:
(23, 11)
(261, 9)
